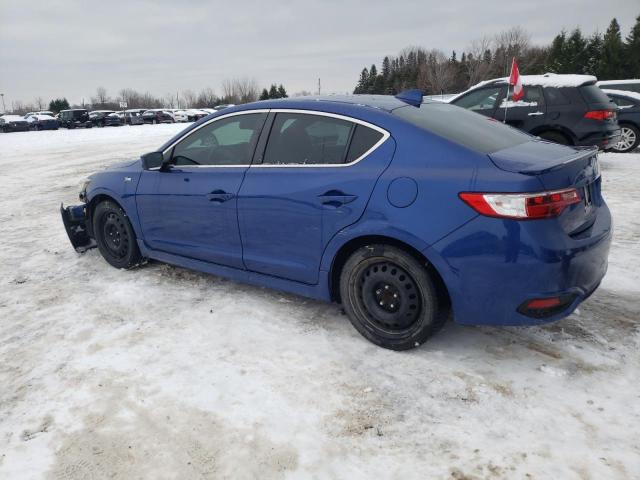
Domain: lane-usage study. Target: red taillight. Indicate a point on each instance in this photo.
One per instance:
(522, 206)
(599, 114)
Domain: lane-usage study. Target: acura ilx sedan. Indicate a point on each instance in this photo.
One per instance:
(407, 213)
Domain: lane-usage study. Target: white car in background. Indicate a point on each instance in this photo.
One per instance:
(180, 116)
(43, 112)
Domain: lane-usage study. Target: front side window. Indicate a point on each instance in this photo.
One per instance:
(483, 99)
(303, 139)
(229, 141)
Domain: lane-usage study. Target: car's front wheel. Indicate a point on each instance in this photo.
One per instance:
(115, 236)
(390, 297)
(629, 138)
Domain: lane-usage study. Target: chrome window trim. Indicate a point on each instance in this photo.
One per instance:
(385, 136)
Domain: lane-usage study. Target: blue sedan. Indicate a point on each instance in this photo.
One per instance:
(407, 213)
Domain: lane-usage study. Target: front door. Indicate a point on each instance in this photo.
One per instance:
(314, 179)
(190, 209)
(483, 101)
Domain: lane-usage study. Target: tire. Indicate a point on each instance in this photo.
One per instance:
(629, 139)
(115, 236)
(555, 137)
(390, 297)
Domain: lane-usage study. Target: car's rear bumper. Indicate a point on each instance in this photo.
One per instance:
(74, 219)
(492, 267)
(603, 140)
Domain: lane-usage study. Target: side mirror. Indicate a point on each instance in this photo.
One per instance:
(152, 160)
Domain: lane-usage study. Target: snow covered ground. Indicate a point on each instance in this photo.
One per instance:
(165, 373)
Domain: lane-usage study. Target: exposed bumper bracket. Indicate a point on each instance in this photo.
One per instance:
(75, 223)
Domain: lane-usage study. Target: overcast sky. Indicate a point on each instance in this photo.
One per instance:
(68, 48)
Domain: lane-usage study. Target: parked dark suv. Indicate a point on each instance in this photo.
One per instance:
(566, 109)
(75, 118)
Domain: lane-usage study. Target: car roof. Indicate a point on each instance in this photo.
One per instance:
(385, 103)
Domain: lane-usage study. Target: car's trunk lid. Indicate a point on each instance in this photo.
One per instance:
(559, 167)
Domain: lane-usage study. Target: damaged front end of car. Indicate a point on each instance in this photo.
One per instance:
(75, 221)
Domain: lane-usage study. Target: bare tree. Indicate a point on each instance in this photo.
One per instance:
(436, 74)
(170, 100)
(240, 90)
(207, 98)
(478, 64)
(188, 98)
(40, 104)
(101, 98)
(508, 44)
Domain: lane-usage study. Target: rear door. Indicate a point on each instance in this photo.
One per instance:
(313, 179)
(527, 113)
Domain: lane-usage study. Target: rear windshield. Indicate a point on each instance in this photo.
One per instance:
(593, 94)
(462, 126)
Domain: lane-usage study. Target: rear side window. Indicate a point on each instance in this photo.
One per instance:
(303, 139)
(364, 138)
(556, 97)
(593, 94)
(462, 126)
(622, 102)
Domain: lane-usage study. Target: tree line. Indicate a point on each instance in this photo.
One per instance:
(234, 91)
(607, 56)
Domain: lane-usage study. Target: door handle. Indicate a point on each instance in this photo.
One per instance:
(219, 196)
(535, 114)
(336, 198)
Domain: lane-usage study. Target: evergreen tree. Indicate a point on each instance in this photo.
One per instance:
(612, 53)
(282, 92)
(632, 51)
(386, 68)
(575, 52)
(593, 55)
(556, 60)
(58, 104)
(363, 82)
(264, 95)
(273, 92)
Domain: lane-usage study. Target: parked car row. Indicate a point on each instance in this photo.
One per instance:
(567, 109)
(83, 118)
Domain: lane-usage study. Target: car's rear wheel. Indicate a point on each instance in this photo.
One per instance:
(555, 137)
(390, 297)
(115, 236)
(629, 138)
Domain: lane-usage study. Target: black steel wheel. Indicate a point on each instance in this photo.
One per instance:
(390, 297)
(114, 235)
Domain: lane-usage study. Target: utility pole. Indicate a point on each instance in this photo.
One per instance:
(318, 86)
(4, 109)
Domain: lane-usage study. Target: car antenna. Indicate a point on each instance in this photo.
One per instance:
(412, 97)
